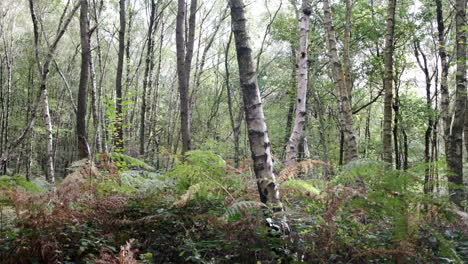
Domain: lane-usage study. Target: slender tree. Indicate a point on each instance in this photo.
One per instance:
(184, 49)
(83, 148)
(302, 80)
(146, 76)
(256, 126)
(44, 94)
(388, 83)
(455, 159)
(444, 91)
(118, 140)
(342, 86)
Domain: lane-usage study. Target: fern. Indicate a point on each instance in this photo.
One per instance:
(301, 185)
(143, 181)
(302, 167)
(187, 196)
(241, 207)
(447, 249)
(125, 161)
(18, 183)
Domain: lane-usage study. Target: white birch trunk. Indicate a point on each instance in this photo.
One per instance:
(302, 79)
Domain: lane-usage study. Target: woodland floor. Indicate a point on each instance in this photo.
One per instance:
(137, 215)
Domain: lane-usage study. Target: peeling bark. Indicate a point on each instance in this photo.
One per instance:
(256, 126)
(302, 80)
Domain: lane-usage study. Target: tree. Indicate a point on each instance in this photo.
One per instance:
(455, 159)
(256, 126)
(302, 79)
(43, 92)
(83, 148)
(148, 62)
(342, 85)
(184, 49)
(388, 83)
(444, 91)
(118, 140)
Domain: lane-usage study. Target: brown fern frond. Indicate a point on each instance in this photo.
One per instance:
(184, 199)
(293, 170)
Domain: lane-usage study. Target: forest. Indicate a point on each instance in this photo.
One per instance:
(233, 131)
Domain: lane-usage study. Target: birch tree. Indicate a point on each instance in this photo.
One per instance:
(341, 84)
(256, 126)
(302, 80)
(44, 72)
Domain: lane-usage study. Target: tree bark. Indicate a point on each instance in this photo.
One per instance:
(184, 49)
(234, 125)
(430, 122)
(388, 83)
(455, 159)
(444, 91)
(302, 80)
(118, 140)
(256, 126)
(146, 76)
(83, 148)
(43, 94)
(345, 115)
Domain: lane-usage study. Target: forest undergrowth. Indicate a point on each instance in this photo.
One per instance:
(121, 210)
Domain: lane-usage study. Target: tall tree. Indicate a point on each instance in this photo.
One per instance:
(423, 65)
(455, 159)
(184, 49)
(83, 148)
(388, 83)
(148, 63)
(118, 140)
(444, 91)
(256, 126)
(302, 80)
(44, 94)
(235, 122)
(342, 85)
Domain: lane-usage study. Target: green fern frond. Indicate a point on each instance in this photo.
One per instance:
(131, 162)
(301, 185)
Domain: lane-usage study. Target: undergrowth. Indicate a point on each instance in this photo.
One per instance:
(204, 211)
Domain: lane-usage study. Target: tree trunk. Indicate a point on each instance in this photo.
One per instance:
(346, 49)
(83, 148)
(256, 126)
(455, 159)
(430, 122)
(95, 105)
(146, 76)
(396, 109)
(345, 115)
(302, 79)
(184, 49)
(388, 83)
(43, 94)
(118, 140)
(234, 125)
(444, 91)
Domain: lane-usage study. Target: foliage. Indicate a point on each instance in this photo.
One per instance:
(18, 182)
(203, 169)
(126, 162)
